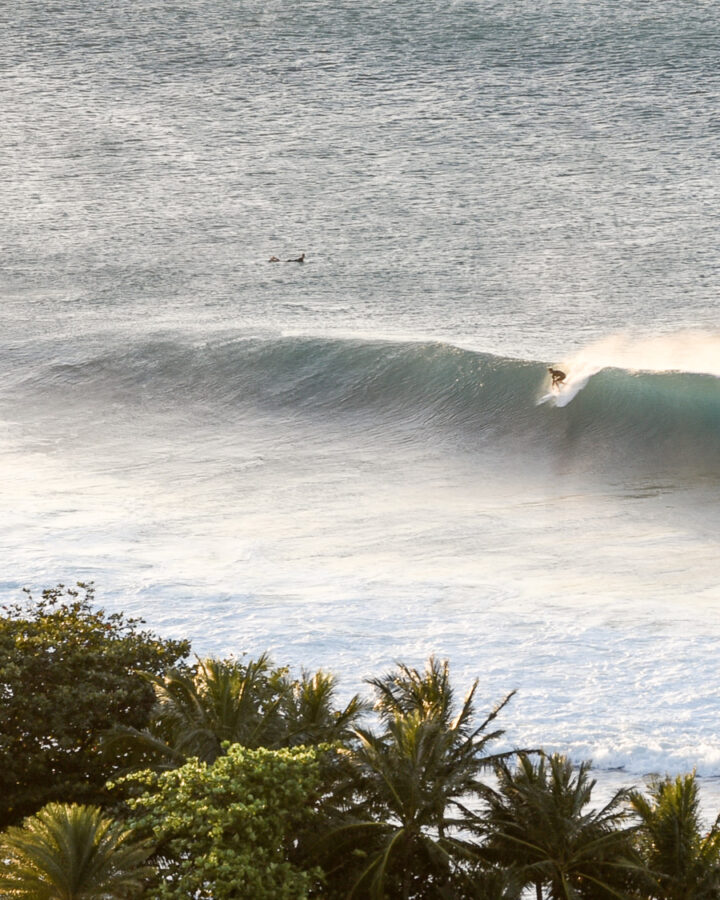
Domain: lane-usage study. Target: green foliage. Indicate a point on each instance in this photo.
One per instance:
(228, 701)
(197, 711)
(228, 830)
(71, 853)
(410, 783)
(242, 796)
(67, 673)
(308, 711)
(487, 882)
(682, 861)
(538, 821)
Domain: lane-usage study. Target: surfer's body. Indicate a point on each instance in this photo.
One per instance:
(557, 376)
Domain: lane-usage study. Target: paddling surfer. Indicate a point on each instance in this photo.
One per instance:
(300, 259)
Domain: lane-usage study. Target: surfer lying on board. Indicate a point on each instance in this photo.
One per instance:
(300, 259)
(557, 376)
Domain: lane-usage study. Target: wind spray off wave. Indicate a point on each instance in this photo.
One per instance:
(689, 352)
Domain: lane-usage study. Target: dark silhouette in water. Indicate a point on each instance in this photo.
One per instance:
(557, 376)
(300, 258)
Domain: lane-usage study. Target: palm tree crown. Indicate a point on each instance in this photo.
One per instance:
(684, 862)
(71, 853)
(538, 820)
(231, 702)
(309, 713)
(410, 782)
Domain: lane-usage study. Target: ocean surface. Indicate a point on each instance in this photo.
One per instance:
(358, 459)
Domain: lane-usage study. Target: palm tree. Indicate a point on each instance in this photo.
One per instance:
(406, 693)
(410, 783)
(71, 853)
(195, 713)
(226, 701)
(405, 690)
(682, 861)
(309, 714)
(493, 882)
(537, 820)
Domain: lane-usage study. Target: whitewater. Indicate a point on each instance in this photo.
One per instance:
(359, 459)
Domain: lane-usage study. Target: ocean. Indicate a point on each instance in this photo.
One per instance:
(358, 459)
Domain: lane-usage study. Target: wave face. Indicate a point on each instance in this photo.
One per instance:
(475, 400)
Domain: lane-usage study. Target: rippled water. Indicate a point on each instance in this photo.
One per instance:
(343, 460)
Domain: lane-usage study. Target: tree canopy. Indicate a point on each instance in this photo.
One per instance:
(68, 672)
(540, 821)
(682, 859)
(250, 783)
(398, 832)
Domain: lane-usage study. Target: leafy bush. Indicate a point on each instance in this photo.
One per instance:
(228, 830)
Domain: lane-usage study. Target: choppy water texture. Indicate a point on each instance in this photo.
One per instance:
(359, 459)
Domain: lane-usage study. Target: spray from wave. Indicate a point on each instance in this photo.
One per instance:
(689, 352)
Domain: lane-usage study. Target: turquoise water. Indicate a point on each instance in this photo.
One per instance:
(347, 460)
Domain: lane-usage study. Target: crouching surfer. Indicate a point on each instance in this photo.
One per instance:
(558, 376)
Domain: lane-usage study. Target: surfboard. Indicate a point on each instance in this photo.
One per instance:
(554, 394)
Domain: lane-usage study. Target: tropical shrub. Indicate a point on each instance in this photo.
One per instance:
(229, 829)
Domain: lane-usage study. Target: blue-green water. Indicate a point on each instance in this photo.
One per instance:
(346, 460)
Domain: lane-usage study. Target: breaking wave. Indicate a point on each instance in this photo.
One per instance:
(656, 399)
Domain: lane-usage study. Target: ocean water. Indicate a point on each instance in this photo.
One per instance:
(358, 459)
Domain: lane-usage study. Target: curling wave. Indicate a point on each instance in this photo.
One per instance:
(644, 412)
